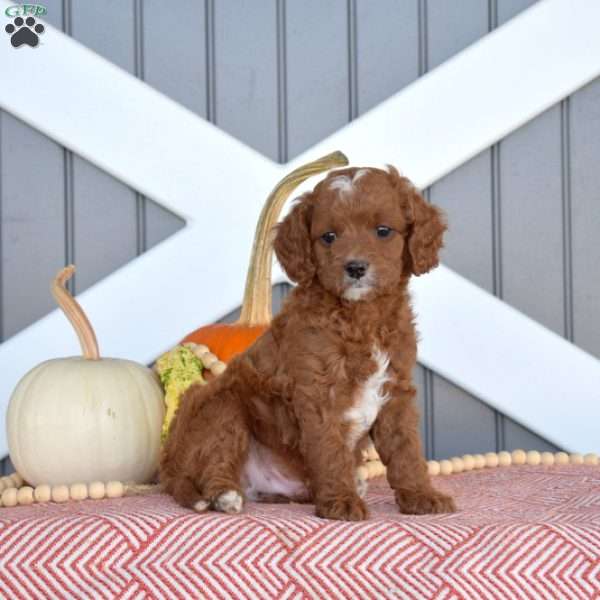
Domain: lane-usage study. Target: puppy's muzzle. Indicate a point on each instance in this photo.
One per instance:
(356, 268)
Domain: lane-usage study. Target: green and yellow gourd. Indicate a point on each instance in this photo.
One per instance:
(178, 369)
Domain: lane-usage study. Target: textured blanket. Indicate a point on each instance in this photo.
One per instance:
(521, 532)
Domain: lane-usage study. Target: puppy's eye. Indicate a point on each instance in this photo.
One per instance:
(329, 237)
(383, 231)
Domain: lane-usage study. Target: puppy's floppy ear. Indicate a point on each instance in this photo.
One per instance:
(425, 237)
(293, 245)
(426, 227)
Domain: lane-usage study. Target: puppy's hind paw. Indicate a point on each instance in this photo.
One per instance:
(230, 502)
(201, 505)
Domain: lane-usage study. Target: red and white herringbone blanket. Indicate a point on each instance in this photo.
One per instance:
(521, 532)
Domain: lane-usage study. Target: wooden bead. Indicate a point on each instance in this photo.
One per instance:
(42, 493)
(370, 469)
(457, 464)
(208, 359)
(25, 495)
(433, 467)
(590, 459)
(519, 457)
(576, 458)
(534, 458)
(16, 480)
(491, 459)
(199, 350)
(504, 459)
(479, 460)
(374, 469)
(372, 453)
(445, 467)
(218, 367)
(114, 489)
(547, 459)
(9, 497)
(468, 462)
(561, 458)
(78, 491)
(60, 493)
(96, 490)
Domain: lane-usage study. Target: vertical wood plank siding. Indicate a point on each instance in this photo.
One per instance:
(280, 76)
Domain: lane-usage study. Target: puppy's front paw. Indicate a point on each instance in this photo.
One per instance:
(350, 508)
(419, 502)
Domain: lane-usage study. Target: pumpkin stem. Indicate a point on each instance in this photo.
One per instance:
(75, 314)
(257, 306)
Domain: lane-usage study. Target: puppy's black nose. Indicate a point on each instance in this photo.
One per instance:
(356, 268)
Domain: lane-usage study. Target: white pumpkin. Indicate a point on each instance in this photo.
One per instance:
(85, 418)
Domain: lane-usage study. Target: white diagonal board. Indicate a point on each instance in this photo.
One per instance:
(218, 185)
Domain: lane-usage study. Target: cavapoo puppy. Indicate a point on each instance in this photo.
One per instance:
(290, 415)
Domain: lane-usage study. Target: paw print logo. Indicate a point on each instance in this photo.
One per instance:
(24, 32)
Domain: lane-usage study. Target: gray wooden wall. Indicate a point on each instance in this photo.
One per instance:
(281, 75)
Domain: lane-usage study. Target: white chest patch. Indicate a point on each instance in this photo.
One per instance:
(369, 399)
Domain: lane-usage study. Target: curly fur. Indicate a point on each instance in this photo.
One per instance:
(289, 416)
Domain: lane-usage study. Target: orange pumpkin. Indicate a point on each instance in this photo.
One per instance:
(227, 340)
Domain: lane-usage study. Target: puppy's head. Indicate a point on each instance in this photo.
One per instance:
(359, 232)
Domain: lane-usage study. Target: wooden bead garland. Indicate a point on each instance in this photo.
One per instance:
(505, 459)
(470, 462)
(209, 360)
(22, 495)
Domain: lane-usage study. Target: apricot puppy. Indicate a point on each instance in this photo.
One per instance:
(289, 416)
